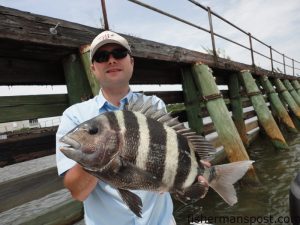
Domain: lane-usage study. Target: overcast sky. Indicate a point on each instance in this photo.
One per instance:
(275, 22)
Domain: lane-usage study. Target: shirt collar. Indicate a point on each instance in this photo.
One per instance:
(102, 102)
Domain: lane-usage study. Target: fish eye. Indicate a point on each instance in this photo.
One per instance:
(93, 130)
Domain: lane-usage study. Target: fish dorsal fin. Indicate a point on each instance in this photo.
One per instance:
(203, 149)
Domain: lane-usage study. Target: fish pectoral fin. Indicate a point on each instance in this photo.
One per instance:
(132, 201)
(136, 176)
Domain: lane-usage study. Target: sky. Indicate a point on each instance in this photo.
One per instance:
(274, 22)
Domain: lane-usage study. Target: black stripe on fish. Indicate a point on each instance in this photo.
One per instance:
(113, 122)
(132, 135)
(184, 162)
(158, 139)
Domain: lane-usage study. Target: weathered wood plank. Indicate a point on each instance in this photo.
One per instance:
(16, 71)
(14, 108)
(11, 48)
(27, 147)
(24, 26)
(27, 188)
(17, 170)
(31, 28)
(249, 114)
(148, 71)
(169, 97)
(251, 125)
(253, 136)
(53, 209)
(208, 128)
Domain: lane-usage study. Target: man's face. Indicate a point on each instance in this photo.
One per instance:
(115, 73)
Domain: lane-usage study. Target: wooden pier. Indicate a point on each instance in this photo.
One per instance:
(31, 55)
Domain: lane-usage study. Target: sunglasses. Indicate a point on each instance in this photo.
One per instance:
(103, 56)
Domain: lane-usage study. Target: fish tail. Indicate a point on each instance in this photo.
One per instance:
(222, 177)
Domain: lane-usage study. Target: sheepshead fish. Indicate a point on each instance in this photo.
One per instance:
(143, 148)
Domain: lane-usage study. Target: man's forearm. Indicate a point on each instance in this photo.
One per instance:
(79, 182)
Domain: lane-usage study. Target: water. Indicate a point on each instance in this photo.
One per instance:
(266, 204)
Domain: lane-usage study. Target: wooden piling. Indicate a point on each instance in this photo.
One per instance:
(221, 118)
(236, 107)
(192, 101)
(296, 86)
(76, 80)
(277, 105)
(296, 120)
(263, 113)
(280, 88)
(85, 58)
(292, 91)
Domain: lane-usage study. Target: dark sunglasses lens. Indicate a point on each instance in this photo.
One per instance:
(103, 56)
(119, 53)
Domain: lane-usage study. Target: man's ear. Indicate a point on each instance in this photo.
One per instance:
(132, 61)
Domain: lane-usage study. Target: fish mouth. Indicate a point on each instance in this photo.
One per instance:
(71, 144)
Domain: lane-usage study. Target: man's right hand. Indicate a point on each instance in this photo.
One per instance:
(79, 182)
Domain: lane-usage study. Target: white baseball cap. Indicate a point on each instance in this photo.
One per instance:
(107, 37)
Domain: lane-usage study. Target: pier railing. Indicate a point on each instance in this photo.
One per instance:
(286, 62)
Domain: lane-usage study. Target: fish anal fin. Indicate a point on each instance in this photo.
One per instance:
(133, 201)
(192, 193)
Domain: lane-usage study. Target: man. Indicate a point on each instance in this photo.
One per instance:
(112, 65)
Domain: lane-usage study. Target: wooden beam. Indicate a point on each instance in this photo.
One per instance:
(249, 114)
(292, 91)
(236, 107)
(252, 125)
(276, 104)
(296, 85)
(169, 97)
(288, 98)
(27, 188)
(52, 209)
(263, 113)
(25, 71)
(85, 59)
(77, 83)
(149, 71)
(32, 28)
(15, 108)
(192, 101)
(29, 27)
(223, 123)
(27, 146)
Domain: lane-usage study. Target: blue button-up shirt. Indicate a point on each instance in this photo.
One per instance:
(104, 205)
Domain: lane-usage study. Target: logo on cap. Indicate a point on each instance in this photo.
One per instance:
(106, 36)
